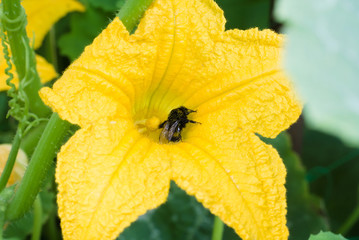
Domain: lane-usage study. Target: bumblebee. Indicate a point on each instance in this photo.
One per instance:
(176, 121)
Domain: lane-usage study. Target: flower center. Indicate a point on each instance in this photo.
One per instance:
(149, 127)
(150, 124)
(170, 129)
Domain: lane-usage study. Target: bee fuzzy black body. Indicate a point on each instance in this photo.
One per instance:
(176, 121)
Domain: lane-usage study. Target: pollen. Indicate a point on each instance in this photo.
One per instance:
(152, 123)
(149, 127)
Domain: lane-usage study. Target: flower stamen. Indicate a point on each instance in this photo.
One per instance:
(148, 126)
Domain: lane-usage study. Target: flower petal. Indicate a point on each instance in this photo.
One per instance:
(180, 55)
(179, 33)
(201, 66)
(107, 176)
(45, 70)
(250, 87)
(236, 176)
(138, 69)
(43, 14)
(101, 83)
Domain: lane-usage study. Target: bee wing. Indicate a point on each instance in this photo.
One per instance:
(164, 133)
(168, 131)
(172, 130)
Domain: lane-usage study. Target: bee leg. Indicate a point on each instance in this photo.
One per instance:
(191, 121)
(162, 124)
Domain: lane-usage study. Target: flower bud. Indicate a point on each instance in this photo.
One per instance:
(20, 164)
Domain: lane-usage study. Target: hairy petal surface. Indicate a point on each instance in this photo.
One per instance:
(250, 87)
(103, 81)
(43, 14)
(179, 32)
(108, 175)
(236, 176)
(181, 55)
(201, 66)
(46, 72)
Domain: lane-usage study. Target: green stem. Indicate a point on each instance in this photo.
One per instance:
(36, 230)
(318, 172)
(50, 51)
(349, 223)
(14, 21)
(218, 227)
(52, 34)
(11, 159)
(132, 11)
(51, 229)
(40, 163)
(30, 140)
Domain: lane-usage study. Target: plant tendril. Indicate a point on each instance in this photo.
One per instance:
(19, 105)
(19, 102)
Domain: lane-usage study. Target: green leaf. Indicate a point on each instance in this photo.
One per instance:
(333, 171)
(22, 227)
(322, 57)
(84, 28)
(108, 5)
(304, 209)
(244, 14)
(120, 3)
(180, 218)
(327, 236)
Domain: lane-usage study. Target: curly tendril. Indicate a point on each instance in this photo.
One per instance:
(19, 103)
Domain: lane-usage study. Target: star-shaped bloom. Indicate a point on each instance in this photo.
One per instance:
(124, 86)
(41, 16)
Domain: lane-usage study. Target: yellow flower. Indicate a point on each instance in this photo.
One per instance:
(46, 71)
(19, 167)
(114, 168)
(41, 15)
